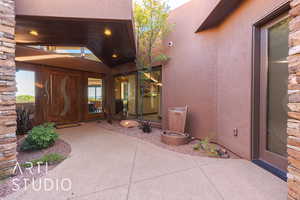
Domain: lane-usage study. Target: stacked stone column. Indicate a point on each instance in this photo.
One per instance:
(294, 104)
(7, 88)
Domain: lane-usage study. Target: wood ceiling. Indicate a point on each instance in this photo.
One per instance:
(79, 32)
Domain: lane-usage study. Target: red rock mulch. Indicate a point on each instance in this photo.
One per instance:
(154, 138)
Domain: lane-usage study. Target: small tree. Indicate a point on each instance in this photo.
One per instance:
(151, 24)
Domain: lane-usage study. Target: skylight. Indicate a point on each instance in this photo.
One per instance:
(81, 52)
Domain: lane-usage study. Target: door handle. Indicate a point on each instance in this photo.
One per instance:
(47, 91)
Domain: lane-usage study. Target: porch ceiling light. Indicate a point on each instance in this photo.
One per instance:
(107, 32)
(34, 33)
(41, 57)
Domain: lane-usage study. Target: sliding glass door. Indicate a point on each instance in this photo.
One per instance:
(150, 92)
(138, 95)
(126, 95)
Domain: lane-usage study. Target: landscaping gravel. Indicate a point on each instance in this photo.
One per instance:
(7, 186)
(154, 138)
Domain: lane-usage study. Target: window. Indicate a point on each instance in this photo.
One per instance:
(25, 97)
(95, 95)
(150, 95)
(125, 95)
(25, 87)
(277, 86)
(82, 52)
(270, 90)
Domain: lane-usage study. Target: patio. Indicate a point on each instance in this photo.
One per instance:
(107, 165)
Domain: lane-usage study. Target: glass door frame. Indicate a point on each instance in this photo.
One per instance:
(140, 94)
(139, 100)
(136, 91)
(87, 115)
(264, 154)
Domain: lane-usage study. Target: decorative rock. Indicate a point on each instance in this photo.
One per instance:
(129, 123)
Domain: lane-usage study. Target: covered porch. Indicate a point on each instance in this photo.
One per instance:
(71, 70)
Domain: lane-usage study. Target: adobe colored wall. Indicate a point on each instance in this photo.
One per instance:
(98, 9)
(7, 89)
(189, 78)
(211, 71)
(234, 68)
(294, 104)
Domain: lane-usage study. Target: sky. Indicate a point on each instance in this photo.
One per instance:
(25, 83)
(176, 3)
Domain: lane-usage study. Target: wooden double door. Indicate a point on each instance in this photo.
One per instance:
(59, 96)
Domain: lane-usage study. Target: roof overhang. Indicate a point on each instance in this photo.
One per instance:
(222, 10)
(77, 22)
(90, 9)
(54, 31)
(40, 57)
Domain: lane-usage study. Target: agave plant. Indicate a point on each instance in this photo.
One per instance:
(146, 126)
(24, 121)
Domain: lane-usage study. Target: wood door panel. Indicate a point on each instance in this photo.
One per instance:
(64, 97)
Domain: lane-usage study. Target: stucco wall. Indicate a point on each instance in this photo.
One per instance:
(234, 66)
(211, 71)
(98, 9)
(189, 77)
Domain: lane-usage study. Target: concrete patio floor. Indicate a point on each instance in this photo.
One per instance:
(105, 165)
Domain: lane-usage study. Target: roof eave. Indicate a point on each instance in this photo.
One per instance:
(222, 10)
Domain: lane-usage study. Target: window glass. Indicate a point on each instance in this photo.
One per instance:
(277, 87)
(82, 52)
(150, 95)
(94, 95)
(25, 97)
(25, 87)
(125, 95)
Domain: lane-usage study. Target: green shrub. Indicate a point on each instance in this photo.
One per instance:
(207, 146)
(24, 123)
(51, 159)
(40, 137)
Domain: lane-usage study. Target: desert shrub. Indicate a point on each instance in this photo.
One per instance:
(51, 159)
(40, 137)
(207, 146)
(24, 122)
(146, 126)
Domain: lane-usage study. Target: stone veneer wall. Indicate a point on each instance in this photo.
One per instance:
(294, 104)
(7, 88)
